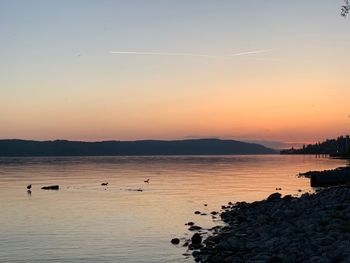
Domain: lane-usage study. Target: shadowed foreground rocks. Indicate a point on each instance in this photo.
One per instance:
(310, 228)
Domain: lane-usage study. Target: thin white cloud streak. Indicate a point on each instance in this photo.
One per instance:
(250, 52)
(189, 54)
(161, 54)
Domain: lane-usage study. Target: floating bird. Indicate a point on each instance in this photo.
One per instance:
(147, 181)
(104, 184)
(29, 187)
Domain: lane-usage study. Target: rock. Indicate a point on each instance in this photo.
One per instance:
(216, 259)
(316, 259)
(274, 196)
(305, 195)
(194, 228)
(289, 213)
(196, 239)
(175, 241)
(196, 254)
(51, 187)
(223, 245)
(278, 214)
(287, 197)
(326, 241)
(275, 259)
(233, 243)
(338, 176)
(213, 239)
(195, 246)
(271, 242)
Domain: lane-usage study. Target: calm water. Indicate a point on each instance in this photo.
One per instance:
(85, 222)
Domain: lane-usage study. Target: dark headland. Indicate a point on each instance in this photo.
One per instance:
(335, 148)
(119, 148)
(339, 148)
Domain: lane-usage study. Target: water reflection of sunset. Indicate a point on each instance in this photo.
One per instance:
(86, 220)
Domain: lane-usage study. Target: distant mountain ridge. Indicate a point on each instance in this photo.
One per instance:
(143, 147)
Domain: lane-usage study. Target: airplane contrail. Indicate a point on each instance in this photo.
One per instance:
(250, 52)
(188, 54)
(161, 54)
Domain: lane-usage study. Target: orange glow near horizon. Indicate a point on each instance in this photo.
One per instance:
(289, 81)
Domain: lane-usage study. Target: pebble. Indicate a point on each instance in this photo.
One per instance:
(175, 241)
(195, 228)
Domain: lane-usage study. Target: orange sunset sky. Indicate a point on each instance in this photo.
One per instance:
(102, 70)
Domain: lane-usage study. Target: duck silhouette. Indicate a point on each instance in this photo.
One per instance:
(104, 184)
(29, 187)
(146, 181)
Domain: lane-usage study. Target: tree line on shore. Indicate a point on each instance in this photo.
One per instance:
(336, 147)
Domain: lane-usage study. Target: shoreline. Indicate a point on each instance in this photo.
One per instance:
(332, 177)
(310, 228)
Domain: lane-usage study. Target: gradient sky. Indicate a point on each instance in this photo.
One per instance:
(172, 74)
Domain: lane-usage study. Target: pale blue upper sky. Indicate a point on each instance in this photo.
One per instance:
(59, 79)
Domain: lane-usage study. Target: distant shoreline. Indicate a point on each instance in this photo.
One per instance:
(135, 155)
(22, 148)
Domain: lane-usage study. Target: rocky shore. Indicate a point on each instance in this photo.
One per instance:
(310, 228)
(338, 176)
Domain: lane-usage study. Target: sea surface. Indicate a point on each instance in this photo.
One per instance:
(87, 222)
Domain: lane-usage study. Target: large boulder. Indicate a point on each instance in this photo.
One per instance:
(196, 239)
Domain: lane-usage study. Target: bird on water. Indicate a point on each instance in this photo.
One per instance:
(147, 181)
(29, 187)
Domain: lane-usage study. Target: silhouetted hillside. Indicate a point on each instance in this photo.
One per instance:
(146, 147)
(336, 147)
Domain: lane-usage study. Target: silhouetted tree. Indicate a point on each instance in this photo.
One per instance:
(345, 8)
(339, 146)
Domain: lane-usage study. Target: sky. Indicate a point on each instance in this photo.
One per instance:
(270, 70)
